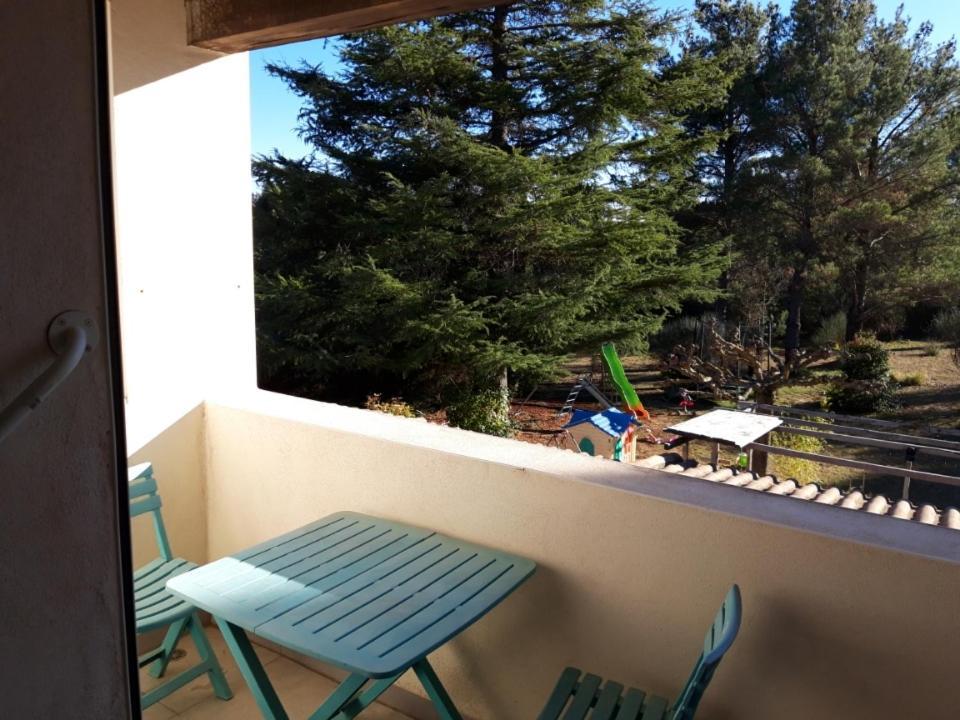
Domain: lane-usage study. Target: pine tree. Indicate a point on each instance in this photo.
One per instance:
(858, 124)
(490, 191)
(733, 34)
(896, 223)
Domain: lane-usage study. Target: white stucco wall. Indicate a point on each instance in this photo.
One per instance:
(182, 192)
(182, 146)
(632, 565)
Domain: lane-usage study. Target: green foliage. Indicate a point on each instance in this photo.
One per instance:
(789, 468)
(482, 410)
(909, 379)
(865, 358)
(501, 188)
(832, 331)
(393, 406)
(835, 178)
(866, 387)
(860, 397)
(490, 190)
(931, 350)
(946, 326)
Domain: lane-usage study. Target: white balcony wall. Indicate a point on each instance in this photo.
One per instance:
(182, 177)
(627, 581)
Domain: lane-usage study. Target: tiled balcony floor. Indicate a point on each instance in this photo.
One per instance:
(301, 690)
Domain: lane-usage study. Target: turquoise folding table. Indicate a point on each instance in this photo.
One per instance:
(368, 595)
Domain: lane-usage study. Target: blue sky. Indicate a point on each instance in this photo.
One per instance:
(274, 108)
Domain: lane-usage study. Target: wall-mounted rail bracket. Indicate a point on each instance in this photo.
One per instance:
(71, 335)
(58, 336)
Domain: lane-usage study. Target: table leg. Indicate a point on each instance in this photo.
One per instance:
(343, 696)
(346, 702)
(438, 694)
(252, 671)
(361, 702)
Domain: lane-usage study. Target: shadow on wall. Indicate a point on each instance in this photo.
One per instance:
(177, 455)
(783, 654)
(518, 617)
(149, 42)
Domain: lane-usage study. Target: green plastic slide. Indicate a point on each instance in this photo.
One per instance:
(619, 378)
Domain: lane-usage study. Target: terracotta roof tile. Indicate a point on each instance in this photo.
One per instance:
(811, 492)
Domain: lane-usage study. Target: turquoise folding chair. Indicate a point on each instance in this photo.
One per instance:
(158, 608)
(581, 695)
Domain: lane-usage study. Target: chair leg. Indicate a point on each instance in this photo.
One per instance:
(208, 659)
(170, 640)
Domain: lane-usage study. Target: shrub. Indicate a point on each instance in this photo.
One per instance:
(393, 406)
(865, 363)
(482, 411)
(865, 358)
(909, 380)
(946, 326)
(931, 350)
(803, 471)
(861, 396)
(832, 331)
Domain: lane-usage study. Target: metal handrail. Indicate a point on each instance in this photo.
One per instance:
(71, 335)
(869, 467)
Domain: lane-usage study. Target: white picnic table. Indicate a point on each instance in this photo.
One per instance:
(725, 427)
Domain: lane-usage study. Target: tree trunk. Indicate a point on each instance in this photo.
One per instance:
(858, 299)
(765, 395)
(856, 313)
(504, 390)
(728, 148)
(499, 70)
(795, 293)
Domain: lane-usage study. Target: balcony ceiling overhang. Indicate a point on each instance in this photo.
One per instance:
(236, 25)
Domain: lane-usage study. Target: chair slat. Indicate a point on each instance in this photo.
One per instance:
(607, 701)
(159, 606)
(157, 569)
(632, 705)
(157, 583)
(147, 504)
(723, 631)
(583, 698)
(135, 472)
(561, 693)
(654, 708)
(147, 569)
(636, 705)
(142, 486)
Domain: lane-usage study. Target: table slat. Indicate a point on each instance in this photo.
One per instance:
(367, 594)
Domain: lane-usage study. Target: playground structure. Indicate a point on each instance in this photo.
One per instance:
(634, 408)
(619, 378)
(608, 434)
(584, 383)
